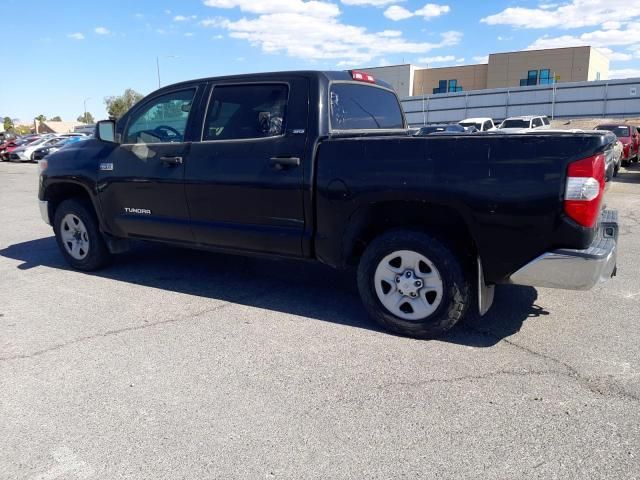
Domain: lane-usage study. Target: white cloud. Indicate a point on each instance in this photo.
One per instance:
(101, 31)
(481, 58)
(395, 13)
(596, 38)
(437, 59)
(616, 56)
(574, 14)
(373, 3)
(76, 36)
(625, 73)
(312, 31)
(430, 10)
(188, 34)
(262, 7)
(183, 18)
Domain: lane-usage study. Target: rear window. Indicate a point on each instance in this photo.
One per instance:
(363, 107)
(618, 131)
(515, 123)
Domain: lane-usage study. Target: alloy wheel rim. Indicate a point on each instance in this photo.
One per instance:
(75, 236)
(408, 285)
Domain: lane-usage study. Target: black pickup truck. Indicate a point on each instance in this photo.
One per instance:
(321, 165)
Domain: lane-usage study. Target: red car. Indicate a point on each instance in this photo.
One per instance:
(630, 138)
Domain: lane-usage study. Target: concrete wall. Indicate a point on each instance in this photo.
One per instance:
(612, 99)
(400, 77)
(469, 77)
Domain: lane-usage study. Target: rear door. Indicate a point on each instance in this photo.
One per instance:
(244, 180)
(142, 179)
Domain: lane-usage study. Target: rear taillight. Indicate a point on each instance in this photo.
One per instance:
(585, 189)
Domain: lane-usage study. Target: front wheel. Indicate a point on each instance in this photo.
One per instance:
(412, 284)
(78, 236)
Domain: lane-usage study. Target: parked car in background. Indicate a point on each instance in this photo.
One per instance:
(481, 124)
(12, 145)
(443, 128)
(62, 142)
(24, 153)
(524, 123)
(628, 135)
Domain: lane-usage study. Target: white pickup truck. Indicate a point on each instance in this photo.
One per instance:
(524, 124)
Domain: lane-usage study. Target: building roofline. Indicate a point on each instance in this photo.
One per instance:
(542, 49)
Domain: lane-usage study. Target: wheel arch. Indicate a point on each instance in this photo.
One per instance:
(58, 192)
(441, 221)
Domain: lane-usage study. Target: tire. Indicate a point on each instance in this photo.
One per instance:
(444, 306)
(79, 239)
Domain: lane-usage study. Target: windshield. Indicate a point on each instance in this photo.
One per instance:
(515, 123)
(472, 124)
(364, 107)
(618, 131)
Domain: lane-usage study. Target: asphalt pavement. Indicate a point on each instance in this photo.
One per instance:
(183, 364)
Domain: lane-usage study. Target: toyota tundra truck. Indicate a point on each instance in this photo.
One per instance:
(322, 166)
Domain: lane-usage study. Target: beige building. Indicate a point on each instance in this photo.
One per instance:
(511, 69)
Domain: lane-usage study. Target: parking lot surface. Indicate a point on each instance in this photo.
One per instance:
(183, 364)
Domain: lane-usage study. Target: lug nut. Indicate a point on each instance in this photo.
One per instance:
(408, 274)
(397, 279)
(418, 283)
(413, 294)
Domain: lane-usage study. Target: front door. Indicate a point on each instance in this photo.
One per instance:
(244, 179)
(142, 180)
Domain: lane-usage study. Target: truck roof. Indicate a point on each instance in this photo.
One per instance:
(327, 75)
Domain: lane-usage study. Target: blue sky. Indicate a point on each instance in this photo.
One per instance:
(64, 52)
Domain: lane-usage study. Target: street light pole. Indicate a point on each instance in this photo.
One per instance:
(85, 109)
(158, 66)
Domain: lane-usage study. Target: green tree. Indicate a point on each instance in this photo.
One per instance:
(118, 105)
(23, 130)
(86, 118)
(41, 118)
(8, 124)
(56, 119)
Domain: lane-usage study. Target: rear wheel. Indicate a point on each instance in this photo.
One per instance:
(78, 236)
(412, 284)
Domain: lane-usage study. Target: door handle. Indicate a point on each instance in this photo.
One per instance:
(172, 160)
(284, 162)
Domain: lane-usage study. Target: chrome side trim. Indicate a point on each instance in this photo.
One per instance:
(44, 211)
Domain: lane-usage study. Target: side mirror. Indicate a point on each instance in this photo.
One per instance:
(106, 131)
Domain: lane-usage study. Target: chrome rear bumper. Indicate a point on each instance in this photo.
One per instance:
(575, 269)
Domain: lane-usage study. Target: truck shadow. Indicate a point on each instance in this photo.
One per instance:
(305, 289)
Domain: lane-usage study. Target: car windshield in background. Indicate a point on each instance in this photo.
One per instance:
(471, 124)
(363, 107)
(515, 124)
(618, 131)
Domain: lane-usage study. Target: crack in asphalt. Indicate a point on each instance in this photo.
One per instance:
(118, 331)
(570, 372)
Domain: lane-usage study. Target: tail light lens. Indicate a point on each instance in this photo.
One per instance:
(585, 189)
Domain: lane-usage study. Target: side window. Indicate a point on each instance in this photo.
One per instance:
(536, 123)
(545, 120)
(164, 120)
(239, 112)
(487, 126)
